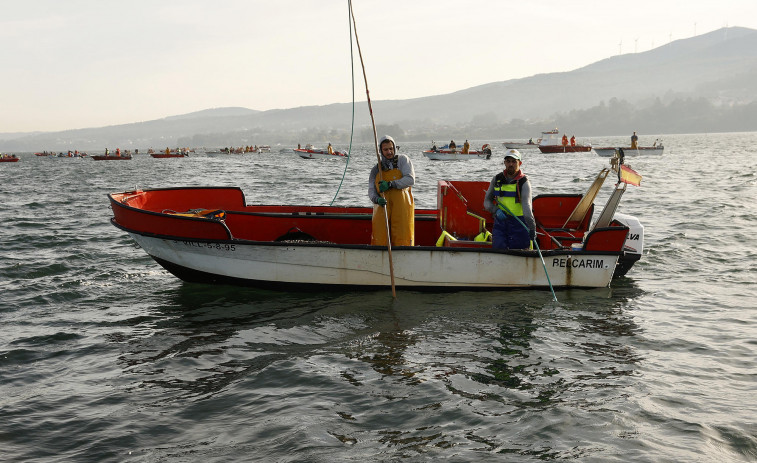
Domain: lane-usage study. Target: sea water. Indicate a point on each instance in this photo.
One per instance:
(105, 356)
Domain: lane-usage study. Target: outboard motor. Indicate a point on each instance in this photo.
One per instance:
(633, 246)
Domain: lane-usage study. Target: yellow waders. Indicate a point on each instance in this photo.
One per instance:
(401, 209)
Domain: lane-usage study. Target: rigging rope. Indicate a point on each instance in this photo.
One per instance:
(352, 129)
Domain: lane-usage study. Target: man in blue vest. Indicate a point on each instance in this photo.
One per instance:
(509, 200)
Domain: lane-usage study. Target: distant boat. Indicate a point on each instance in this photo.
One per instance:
(310, 152)
(446, 154)
(609, 151)
(169, 155)
(102, 157)
(551, 142)
(7, 158)
(518, 145)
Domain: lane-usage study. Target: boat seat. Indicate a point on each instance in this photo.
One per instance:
(212, 214)
(605, 218)
(584, 206)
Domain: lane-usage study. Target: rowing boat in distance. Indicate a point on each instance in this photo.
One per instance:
(609, 151)
(103, 157)
(167, 155)
(446, 154)
(518, 145)
(311, 152)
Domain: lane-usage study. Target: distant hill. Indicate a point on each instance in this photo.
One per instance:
(214, 112)
(692, 66)
(718, 69)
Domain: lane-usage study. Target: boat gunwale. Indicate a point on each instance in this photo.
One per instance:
(324, 244)
(424, 215)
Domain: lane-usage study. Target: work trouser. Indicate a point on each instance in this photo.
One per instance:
(508, 233)
(400, 207)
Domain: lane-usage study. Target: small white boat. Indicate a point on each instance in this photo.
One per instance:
(446, 154)
(521, 145)
(609, 151)
(306, 153)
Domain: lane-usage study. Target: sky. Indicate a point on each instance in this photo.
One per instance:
(68, 64)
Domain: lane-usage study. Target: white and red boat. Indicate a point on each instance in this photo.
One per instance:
(211, 235)
(551, 142)
(310, 152)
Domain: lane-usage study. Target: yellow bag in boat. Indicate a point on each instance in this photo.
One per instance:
(440, 241)
(483, 236)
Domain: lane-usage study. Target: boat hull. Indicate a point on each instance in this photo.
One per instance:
(315, 266)
(609, 151)
(111, 158)
(164, 155)
(9, 159)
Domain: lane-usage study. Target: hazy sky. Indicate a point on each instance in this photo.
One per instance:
(68, 64)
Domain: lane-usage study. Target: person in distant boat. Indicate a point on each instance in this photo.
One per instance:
(530, 141)
(168, 150)
(564, 140)
(330, 149)
(452, 145)
(433, 146)
(118, 152)
(392, 194)
(299, 147)
(634, 141)
(107, 152)
(572, 140)
(509, 200)
(466, 147)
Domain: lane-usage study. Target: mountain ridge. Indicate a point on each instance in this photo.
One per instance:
(720, 66)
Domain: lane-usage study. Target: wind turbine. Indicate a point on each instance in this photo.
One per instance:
(620, 47)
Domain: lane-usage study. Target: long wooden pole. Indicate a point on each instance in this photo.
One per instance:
(378, 154)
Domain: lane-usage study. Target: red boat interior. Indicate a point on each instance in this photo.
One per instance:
(221, 213)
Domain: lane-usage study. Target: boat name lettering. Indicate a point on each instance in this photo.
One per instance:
(633, 236)
(217, 246)
(577, 263)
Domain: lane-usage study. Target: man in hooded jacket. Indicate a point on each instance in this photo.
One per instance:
(392, 195)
